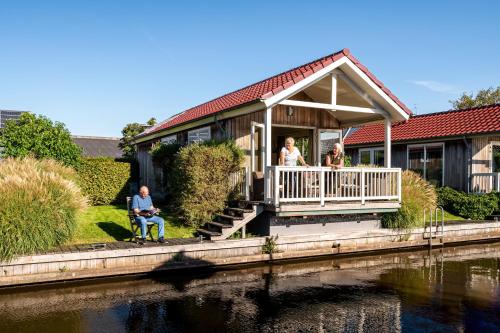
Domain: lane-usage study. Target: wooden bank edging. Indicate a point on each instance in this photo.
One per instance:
(68, 266)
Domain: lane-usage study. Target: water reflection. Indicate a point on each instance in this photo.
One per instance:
(449, 290)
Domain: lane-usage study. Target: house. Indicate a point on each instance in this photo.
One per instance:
(314, 103)
(97, 146)
(459, 148)
(9, 115)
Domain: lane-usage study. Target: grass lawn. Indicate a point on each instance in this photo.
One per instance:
(450, 217)
(110, 224)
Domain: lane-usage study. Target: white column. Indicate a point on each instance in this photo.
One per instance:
(252, 148)
(267, 146)
(267, 135)
(334, 89)
(387, 143)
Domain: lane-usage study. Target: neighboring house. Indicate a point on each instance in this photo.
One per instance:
(9, 115)
(459, 148)
(313, 102)
(97, 146)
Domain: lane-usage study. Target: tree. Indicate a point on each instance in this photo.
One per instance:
(483, 97)
(40, 137)
(128, 133)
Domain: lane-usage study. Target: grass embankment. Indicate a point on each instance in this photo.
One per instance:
(99, 224)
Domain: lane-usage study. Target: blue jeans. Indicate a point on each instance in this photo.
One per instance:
(142, 222)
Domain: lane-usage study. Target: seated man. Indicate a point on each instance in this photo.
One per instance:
(144, 211)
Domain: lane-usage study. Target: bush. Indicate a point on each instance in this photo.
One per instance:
(106, 180)
(40, 202)
(200, 179)
(39, 137)
(416, 195)
(471, 206)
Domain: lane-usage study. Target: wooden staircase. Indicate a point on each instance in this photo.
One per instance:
(234, 218)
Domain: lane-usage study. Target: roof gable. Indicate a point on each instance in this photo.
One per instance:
(478, 120)
(266, 89)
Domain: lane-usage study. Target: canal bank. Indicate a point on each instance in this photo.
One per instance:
(83, 262)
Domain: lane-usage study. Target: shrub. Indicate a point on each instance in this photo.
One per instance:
(416, 195)
(40, 202)
(39, 137)
(472, 206)
(106, 180)
(200, 179)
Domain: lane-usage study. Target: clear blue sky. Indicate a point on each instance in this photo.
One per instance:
(97, 65)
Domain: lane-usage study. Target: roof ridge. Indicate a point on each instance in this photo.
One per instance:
(454, 110)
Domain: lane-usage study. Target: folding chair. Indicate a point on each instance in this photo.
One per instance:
(136, 230)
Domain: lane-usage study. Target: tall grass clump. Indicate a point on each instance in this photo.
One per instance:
(416, 195)
(39, 203)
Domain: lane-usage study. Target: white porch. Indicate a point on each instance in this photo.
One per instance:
(352, 99)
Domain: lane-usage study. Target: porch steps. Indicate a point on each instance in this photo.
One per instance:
(234, 219)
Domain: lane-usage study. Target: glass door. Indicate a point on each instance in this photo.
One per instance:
(434, 165)
(326, 140)
(416, 160)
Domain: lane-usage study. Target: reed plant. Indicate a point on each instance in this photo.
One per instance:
(39, 204)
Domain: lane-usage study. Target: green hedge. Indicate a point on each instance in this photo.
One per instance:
(200, 179)
(106, 180)
(472, 206)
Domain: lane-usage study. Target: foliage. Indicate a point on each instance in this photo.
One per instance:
(416, 195)
(200, 179)
(270, 246)
(473, 206)
(110, 223)
(347, 161)
(40, 203)
(105, 180)
(483, 97)
(128, 133)
(39, 137)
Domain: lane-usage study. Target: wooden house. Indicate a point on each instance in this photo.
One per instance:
(314, 103)
(459, 148)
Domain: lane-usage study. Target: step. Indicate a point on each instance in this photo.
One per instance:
(208, 232)
(239, 210)
(219, 224)
(229, 217)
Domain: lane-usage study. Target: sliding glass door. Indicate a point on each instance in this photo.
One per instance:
(428, 161)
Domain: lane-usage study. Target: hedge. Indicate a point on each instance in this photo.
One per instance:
(40, 204)
(200, 179)
(472, 206)
(106, 180)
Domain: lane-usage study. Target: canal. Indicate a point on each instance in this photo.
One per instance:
(446, 290)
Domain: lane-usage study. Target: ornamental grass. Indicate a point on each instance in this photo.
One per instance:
(39, 204)
(416, 196)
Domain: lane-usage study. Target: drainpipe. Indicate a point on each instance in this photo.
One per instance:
(469, 163)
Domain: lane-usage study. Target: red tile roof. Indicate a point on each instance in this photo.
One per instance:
(478, 120)
(265, 89)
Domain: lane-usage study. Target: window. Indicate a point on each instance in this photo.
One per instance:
(371, 156)
(199, 135)
(495, 157)
(169, 139)
(428, 161)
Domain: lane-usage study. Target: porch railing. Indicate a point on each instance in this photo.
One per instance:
(238, 182)
(322, 184)
(485, 182)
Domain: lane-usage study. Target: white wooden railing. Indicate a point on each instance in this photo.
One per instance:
(485, 182)
(323, 184)
(238, 182)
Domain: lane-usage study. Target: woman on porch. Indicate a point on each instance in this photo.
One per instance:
(290, 154)
(335, 159)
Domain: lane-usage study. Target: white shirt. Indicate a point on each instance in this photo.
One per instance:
(291, 157)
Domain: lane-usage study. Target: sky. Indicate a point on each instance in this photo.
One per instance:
(98, 65)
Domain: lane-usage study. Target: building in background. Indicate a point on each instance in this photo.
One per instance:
(98, 146)
(9, 115)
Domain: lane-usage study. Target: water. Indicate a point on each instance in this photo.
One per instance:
(454, 290)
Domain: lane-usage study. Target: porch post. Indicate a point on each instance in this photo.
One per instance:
(267, 146)
(387, 143)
